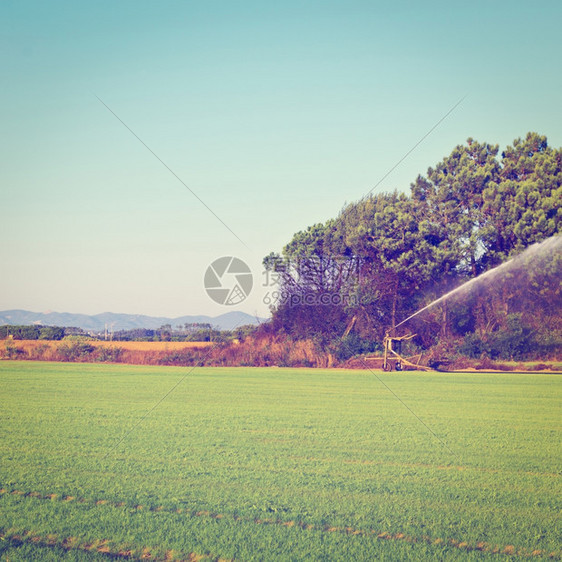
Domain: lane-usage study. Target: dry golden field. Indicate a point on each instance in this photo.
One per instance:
(152, 345)
(134, 352)
(29, 345)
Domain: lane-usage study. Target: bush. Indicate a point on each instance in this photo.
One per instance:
(353, 345)
(548, 344)
(11, 351)
(109, 354)
(183, 357)
(512, 342)
(473, 346)
(37, 353)
(75, 350)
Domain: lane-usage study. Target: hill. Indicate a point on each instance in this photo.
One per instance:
(98, 322)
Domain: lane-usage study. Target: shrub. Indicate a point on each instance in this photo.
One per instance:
(353, 345)
(109, 354)
(512, 342)
(548, 344)
(38, 352)
(183, 357)
(75, 350)
(473, 346)
(11, 351)
(485, 363)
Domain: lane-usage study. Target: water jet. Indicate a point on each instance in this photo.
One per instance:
(540, 249)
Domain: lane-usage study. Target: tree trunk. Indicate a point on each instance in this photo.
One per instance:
(394, 304)
(445, 321)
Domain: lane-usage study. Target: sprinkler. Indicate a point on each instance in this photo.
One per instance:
(393, 354)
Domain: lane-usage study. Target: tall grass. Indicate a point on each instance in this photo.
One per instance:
(261, 350)
(264, 351)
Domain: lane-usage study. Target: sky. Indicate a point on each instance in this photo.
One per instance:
(274, 114)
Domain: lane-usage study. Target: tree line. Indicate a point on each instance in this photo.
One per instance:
(347, 281)
(37, 332)
(190, 332)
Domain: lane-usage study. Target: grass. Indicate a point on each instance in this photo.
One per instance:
(531, 365)
(276, 464)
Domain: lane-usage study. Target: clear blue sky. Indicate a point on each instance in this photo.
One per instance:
(275, 114)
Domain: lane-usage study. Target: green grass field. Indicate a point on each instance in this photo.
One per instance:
(276, 464)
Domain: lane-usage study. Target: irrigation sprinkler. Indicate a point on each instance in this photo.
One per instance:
(393, 357)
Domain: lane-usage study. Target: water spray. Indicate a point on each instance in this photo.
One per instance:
(551, 244)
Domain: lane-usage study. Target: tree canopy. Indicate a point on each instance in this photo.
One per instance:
(389, 254)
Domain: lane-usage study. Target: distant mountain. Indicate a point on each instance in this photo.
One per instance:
(97, 322)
